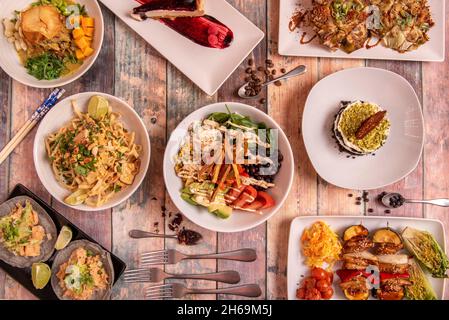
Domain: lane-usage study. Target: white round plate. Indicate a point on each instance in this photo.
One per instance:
(59, 116)
(239, 220)
(402, 151)
(9, 59)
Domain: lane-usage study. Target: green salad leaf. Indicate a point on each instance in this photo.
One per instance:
(420, 289)
(45, 67)
(427, 251)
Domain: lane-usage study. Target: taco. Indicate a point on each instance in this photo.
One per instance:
(27, 233)
(82, 271)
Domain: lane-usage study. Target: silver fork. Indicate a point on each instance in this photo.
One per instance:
(173, 256)
(178, 290)
(158, 275)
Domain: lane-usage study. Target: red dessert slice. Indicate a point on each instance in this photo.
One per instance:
(168, 9)
(206, 31)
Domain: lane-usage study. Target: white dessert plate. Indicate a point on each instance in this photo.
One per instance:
(61, 115)
(289, 45)
(9, 59)
(208, 68)
(296, 261)
(239, 220)
(393, 161)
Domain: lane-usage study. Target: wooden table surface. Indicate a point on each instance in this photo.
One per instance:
(132, 70)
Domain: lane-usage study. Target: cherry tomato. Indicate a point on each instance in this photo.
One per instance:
(301, 293)
(327, 294)
(319, 274)
(313, 294)
(309, 283)
(330, 276)
(322, 285)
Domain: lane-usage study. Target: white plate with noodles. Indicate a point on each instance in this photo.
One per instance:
(91, 151)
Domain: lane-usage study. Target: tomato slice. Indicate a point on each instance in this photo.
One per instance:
(234, 193)
(266, 199)
(251, 191)
(255, 205)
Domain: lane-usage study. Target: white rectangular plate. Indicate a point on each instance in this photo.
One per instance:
(289, 45)
(208, 68)
(296, 261)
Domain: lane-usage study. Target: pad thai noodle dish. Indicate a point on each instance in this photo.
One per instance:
(51, 37)
(94, 156)
(349, 25)
(227, 161)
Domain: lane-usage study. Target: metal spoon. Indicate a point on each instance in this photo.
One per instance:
(293, 73)
(386, 200)
(193, 236)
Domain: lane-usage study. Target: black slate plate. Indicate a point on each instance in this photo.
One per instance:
(23, 276)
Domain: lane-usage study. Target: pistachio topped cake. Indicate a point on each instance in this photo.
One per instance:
(361, 127)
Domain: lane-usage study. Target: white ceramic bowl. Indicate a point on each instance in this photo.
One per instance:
(402, 150)
(240, 220)
(59, 116)
(9, 60)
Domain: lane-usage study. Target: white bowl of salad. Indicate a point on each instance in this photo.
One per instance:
(228, 167)
(49, 43)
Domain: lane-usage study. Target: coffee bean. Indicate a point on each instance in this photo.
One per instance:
(358, 203)
(263, 101)
(273, 72)
(387, 211)
(358, 198)
(260, 69)
(153, 120)
(269, 61)
(370, 210)
(250, 62)
(283, 70)
(278, 83)
(270, 78)
(248, 70)
(350, 195)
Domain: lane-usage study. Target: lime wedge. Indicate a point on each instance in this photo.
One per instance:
(77, 197)
(98, 107)
(40, 275)
(64, 238)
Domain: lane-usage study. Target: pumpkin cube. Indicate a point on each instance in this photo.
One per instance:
(79, 54)
(81, 43)
(78, 33)
(89, 31)
(87, 22)
(88, 51)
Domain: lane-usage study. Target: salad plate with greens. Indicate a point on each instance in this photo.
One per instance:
(229, 167)
(49, 43)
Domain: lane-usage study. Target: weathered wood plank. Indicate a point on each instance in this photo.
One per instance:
(98, 79)
(183, 97)
(334, 200)
(141, 82)
(436, 150)
(24, 101)
(256, 237)
(412, 185)
(286, 104)
(5, 110)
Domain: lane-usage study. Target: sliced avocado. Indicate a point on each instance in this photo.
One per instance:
(187, 197)
(220, 211)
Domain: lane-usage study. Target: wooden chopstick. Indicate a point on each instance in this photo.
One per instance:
(40, 112)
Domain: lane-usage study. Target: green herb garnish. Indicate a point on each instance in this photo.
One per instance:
(45, 67)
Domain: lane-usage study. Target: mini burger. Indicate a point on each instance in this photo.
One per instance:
(361, 128)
